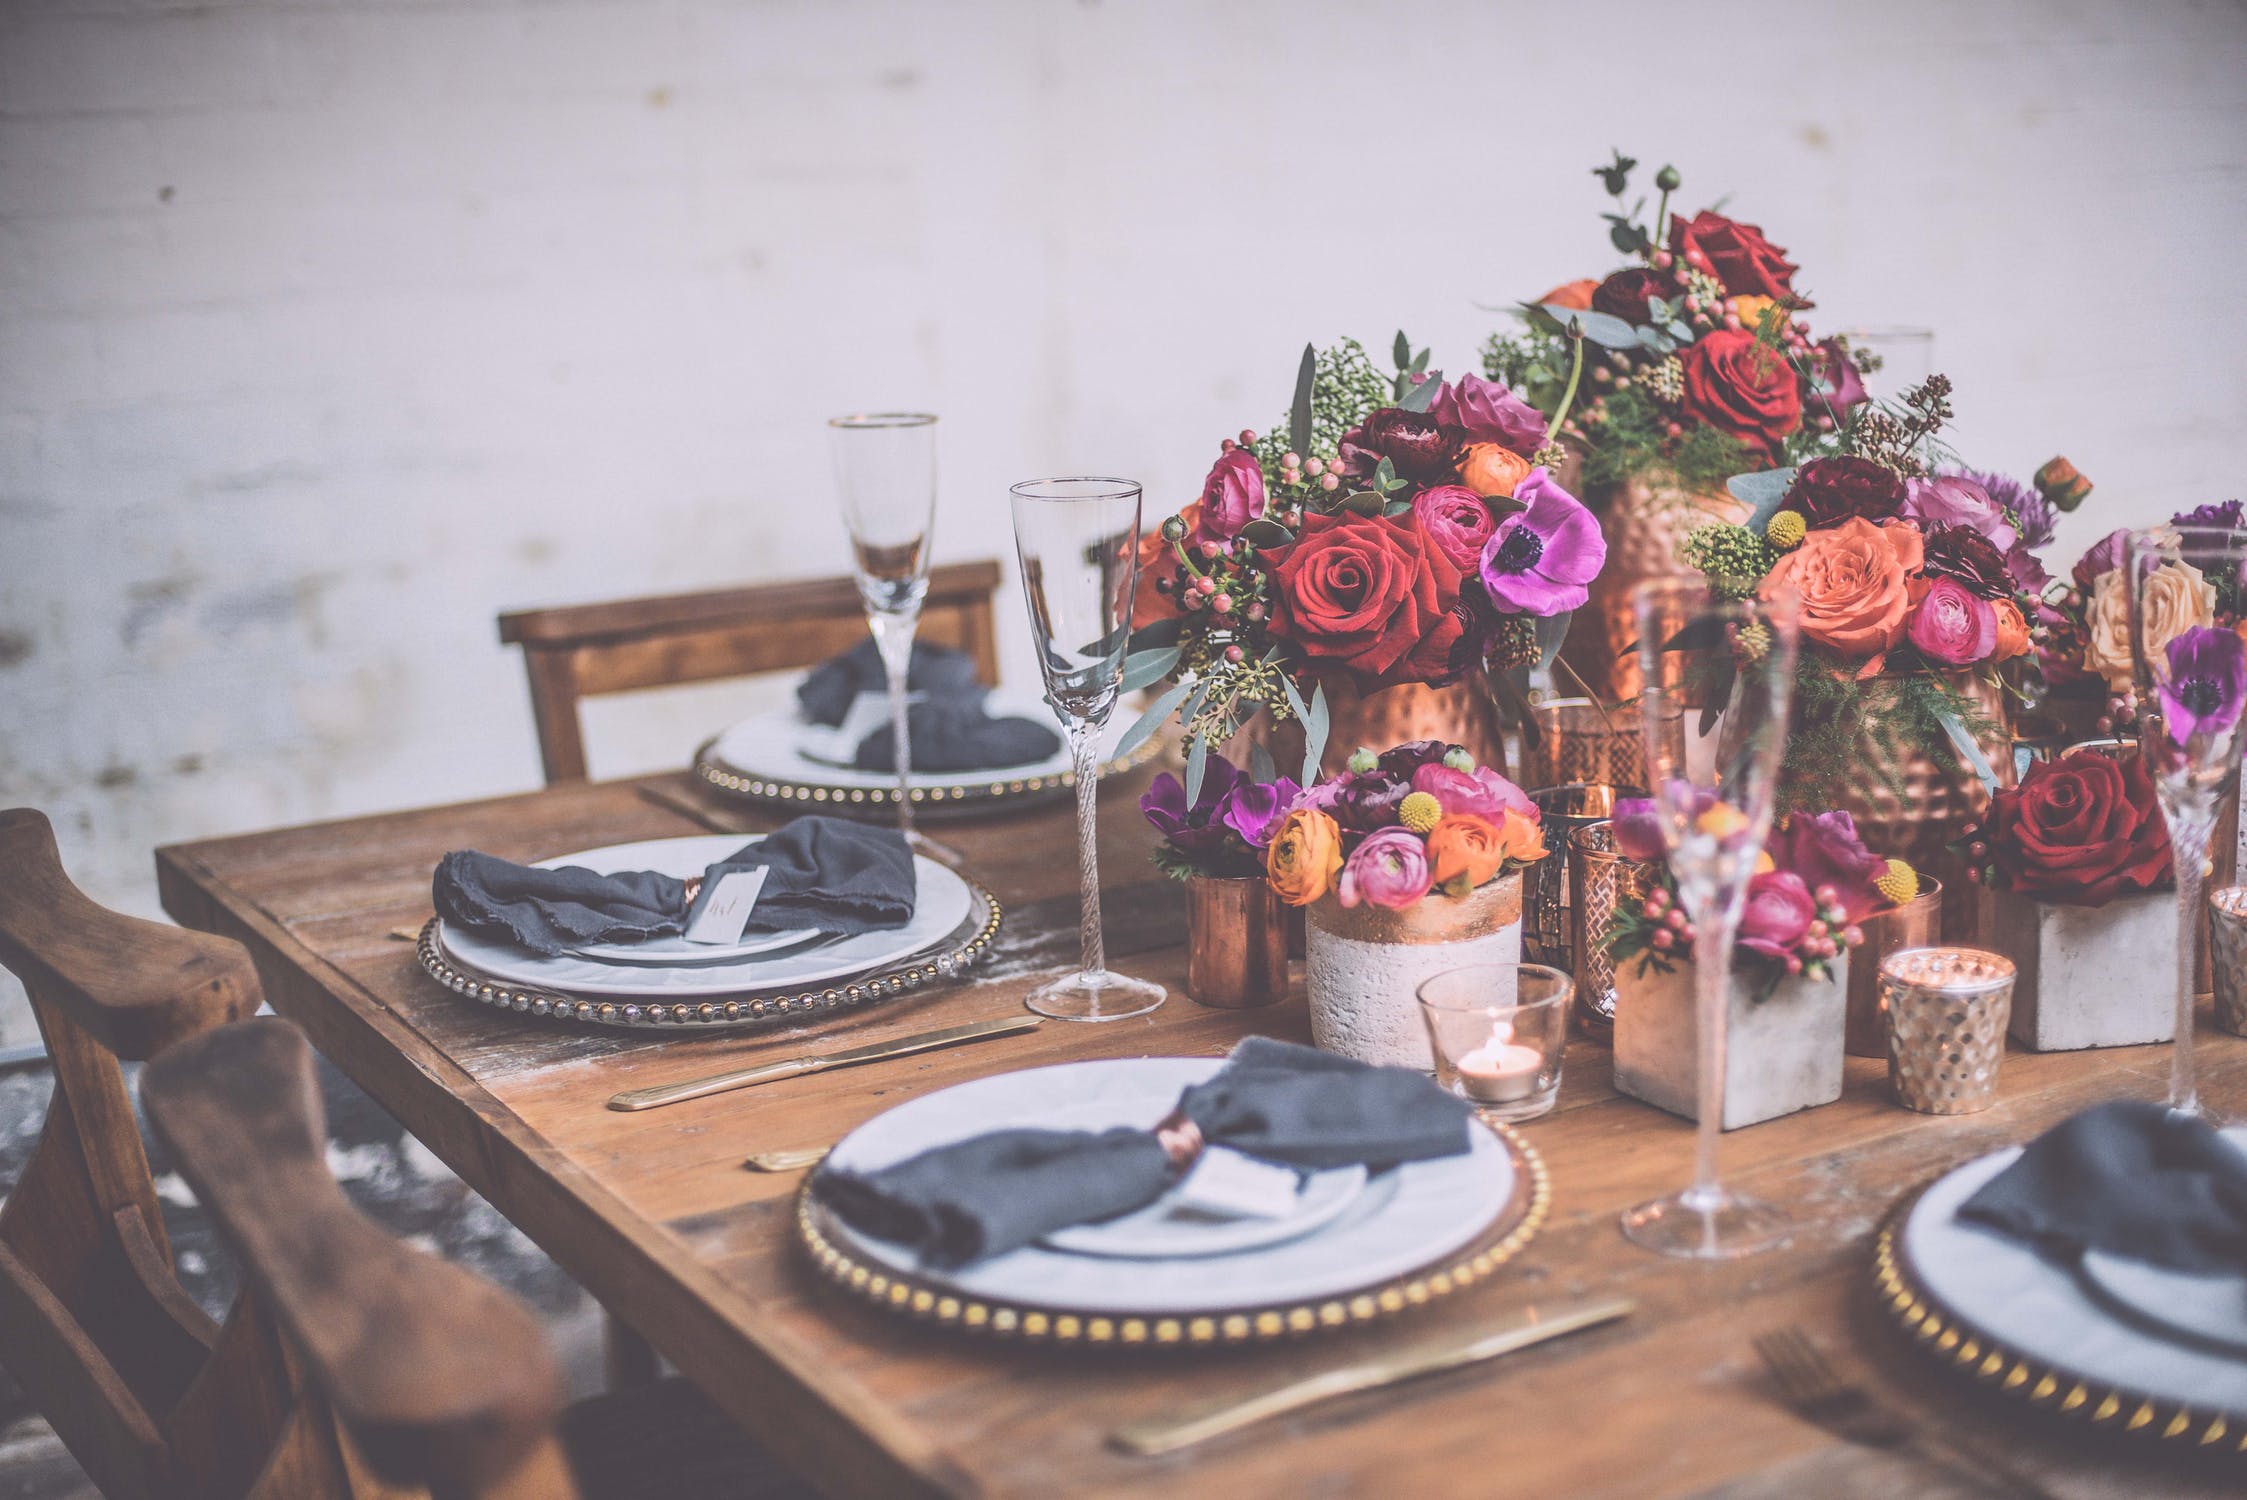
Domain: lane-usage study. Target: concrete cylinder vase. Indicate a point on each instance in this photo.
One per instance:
(1365, 964)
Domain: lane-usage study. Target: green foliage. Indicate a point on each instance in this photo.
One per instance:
(1533, 363)
(1230, 860)
(1632, 438)
(1345, 386)
(1734, 558)
(1899, 714)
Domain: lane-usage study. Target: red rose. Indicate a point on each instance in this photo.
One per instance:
(1370, 594)
(2080, 830)
(1828, 491)
(1623, 295)
(1737, 385)
(1736, 254)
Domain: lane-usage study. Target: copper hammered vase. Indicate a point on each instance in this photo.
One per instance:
(1939, 801)
(1236, 942)
(1644, 522)
(1461, 714)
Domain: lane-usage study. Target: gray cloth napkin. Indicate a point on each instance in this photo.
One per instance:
(826, 694)
(1274, 1100)
(829, 875)
(2129, 1179)
(951, 728)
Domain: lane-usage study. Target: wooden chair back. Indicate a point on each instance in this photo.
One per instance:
(442, 1381)
(583, 651)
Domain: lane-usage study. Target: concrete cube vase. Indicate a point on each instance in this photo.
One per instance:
(1782, 1053)
(2091, 976)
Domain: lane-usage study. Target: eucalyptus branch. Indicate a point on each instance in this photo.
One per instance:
(1575, 378)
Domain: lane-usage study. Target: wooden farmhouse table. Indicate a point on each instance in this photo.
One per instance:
(655, 1215)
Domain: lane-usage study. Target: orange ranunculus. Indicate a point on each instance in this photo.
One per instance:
(2012, 630)
(1492, 470)
(1750, 309)
(1521, 838)
(1852, 579)
(1304, 856)
(1576, 294)
(1465, 848)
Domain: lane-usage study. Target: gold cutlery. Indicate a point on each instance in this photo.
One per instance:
(787, 1161)
(1169, 1434)
(741, 1078)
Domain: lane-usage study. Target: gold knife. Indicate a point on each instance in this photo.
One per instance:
(1169, 1434)
(741, 1078)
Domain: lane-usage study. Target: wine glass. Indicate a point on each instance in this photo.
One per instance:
(885, 470)
(1078, 543)
(1739, 653)
(2177, 581)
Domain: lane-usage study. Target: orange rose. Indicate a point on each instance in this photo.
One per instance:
(2012, 630)
(1304, 856)
(1491, 470)
(1576, 294)
(1852, 581)
(1464, 848)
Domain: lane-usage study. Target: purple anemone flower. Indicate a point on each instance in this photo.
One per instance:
(1254, 809)
(1541, 557)
(1195, 829)
(2207, 683)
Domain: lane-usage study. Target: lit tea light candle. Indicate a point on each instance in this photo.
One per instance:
(1500, 1070)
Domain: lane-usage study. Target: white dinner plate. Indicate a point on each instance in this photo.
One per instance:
(663, 857)
(782, 746)
(943, 902)
(1404, 1219)
(1172, 1229)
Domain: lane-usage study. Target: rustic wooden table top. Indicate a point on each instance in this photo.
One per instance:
(655, 1215)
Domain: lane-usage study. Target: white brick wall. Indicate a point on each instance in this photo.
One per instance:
(327, 330)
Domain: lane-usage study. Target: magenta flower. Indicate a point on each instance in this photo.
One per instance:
(1844, 387)
(2034, 514)
(1954, 500)
(1232, 496)
(2224, 515)
(1194, 829)
(1455, 519)
(1777, 915)
(1489, 413)
(1389, 869)
(1951, 627)
(1254, 809)
(2207, 682)
(1480, 793)
(1540, 558)
(1827, 850)
(1637, 829)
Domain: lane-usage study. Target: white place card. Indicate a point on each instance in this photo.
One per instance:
(1228, 1185)
(721, 913)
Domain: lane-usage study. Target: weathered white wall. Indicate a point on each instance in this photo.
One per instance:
(327, 330)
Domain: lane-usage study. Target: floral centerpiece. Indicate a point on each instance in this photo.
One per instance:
(1236, 928)
(1816, 888)
(1398, 530)
(1406, 863)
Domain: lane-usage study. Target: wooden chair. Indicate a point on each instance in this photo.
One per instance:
(438, 1380)
(583, 651)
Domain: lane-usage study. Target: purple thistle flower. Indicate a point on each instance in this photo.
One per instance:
(1541, 557)
(2224, 515)
(2207, 682)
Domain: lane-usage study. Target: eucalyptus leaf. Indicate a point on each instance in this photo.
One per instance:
(1264, 533)
(1721, 685)
(1419, 396)
(1551, 631)
(1699, 636)
(1147, 723)
(1197, 768)
(1260, 765)
(1602, 329)
(1364, 502)
(1397, 508)
(1146, 668)
(1299, 413)
(1656, 340)
(1401, 351)
(1682, 332)
(1419, 362)
(1163, 632)
(1314, 735)
(1968, 751)
(1659, 310)
(1294, 698)
(1765, 491)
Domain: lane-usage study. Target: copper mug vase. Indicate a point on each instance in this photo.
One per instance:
(1236, 942)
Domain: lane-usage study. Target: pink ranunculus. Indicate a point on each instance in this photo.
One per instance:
(1827, 850)
(1955, 500)
(1951, 627)
(1489, 413)
(1457, 521)
(1778, 913)
(1232, 496)
(1480, 793)
(1389, 869)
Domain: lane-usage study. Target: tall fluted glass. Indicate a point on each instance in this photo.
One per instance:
(1740, 654)
(2191, 671)
(885, 474)
(1078, 544)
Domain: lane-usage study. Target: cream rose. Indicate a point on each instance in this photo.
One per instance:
(2176, 598)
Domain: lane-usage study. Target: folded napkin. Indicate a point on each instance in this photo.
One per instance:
(2129, 1179)
(1274, 1100)
(825, 696)
(829, 875)
(958, 734)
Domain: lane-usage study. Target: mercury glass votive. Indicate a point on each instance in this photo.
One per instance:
(2227, 947)
(1600, 880)
(1497, 1032)
(1947, 1012)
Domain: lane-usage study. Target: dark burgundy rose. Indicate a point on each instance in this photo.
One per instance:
(2080, 830)
(1965, 554)
(1404, 759)
(1736, 385)
(1736, 254)
(1623, 295)
(1371, 801)
(1417, 446)
(1828, 491)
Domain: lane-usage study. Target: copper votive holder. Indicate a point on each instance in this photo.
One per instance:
(1581, 741)
(1947, 1012)
(1603, 880)
(1918, 923)
(1547, 936)
(2227, 945)
(1236, 942)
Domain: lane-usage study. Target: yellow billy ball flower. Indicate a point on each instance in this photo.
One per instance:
(1786, 530)
(1900, 884)
(1419, 812)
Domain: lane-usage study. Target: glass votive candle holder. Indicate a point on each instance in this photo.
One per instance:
(1947, 1011)
(2227, 951)
(1498, 1031)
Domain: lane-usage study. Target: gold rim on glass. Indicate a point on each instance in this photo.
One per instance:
(861, 420)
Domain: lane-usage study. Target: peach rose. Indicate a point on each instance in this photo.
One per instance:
(2175, 598)
(1304, 856)
(2012, 630)
(1852, 581)
(1492, 470)
(1576, 294)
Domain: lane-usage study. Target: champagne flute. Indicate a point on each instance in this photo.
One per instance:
(2177, 581)
(1740, 653)
(1078, 543)
(885, 471)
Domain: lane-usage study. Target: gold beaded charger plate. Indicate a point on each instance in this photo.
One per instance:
(2048, 1336)
(1414, 1233)
(782, 759)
